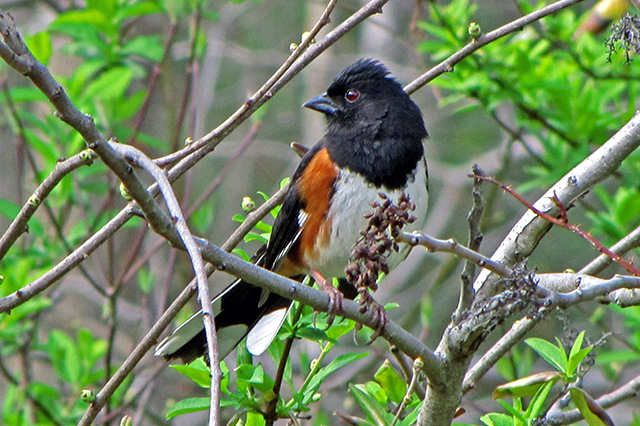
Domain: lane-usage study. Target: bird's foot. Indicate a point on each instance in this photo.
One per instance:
(335, 297)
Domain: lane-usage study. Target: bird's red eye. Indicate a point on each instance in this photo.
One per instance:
(352, 95)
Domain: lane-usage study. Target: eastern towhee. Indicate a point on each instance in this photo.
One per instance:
(373, 144)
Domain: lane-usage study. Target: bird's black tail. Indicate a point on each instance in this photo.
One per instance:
(242, 310)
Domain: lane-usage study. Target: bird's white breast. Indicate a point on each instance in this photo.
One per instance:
(350, 202)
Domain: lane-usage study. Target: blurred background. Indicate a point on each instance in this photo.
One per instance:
(204, 79)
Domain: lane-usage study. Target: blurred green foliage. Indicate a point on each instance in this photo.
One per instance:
(552, 92)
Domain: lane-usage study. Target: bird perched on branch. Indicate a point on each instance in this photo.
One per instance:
(373, 146)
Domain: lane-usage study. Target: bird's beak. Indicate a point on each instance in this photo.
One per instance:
(322, 104)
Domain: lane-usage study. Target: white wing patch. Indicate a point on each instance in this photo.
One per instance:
(302, 218)
(265, 330)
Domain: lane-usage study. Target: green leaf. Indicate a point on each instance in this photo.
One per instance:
(65, 357)
(189, 405)
(324, 372)
(497, 419)
(111, 84)
(339, 329)
(518, 419)
(44, 147)
(371, 406)
(617, 357)
(9, 209)
(19, 313)
(146, 280)
(554, 355)
(313, 333)
(526, 386)
(576, 356)
(128, 107)
(91, 348)
(107, 7)
(92, 17)
(26, 94)
(252, 236)
(40, 45)
(391, 382)
(260, 380)
(135, 10)
(255, 419)
(196, 371)
(243, 254)
(592, 412)
(148, 47)
(535, 407)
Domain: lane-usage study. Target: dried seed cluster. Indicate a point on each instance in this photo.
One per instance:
(369, 256)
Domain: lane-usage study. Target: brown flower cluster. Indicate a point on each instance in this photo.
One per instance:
(369, 256)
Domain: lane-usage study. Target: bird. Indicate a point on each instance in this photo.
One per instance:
(373, 145)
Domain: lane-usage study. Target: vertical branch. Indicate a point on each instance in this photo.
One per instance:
(475, 239)
(138, 158)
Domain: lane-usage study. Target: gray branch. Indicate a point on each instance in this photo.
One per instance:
(529, 230)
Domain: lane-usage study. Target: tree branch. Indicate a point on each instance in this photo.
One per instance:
(416, 238)
(19, 224)
(529, 230)
(138, 158)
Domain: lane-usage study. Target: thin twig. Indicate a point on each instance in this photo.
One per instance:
(518, 330)
(451, 246)
(475, 239)
(246, 143)
(191, 67)
(597, 265)
(413, 385)
(153, 80)
(271, 414)
(564, 223)
(138, 158)
(19, 224)
(406, 367)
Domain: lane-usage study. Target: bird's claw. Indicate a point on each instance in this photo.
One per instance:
(335, 302)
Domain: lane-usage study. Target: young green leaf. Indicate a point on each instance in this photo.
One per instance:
(554, 355)
(391, 382)
(592, 412)
(189, 405)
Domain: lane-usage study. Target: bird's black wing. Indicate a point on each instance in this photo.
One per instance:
(288, 225)
(244, 310)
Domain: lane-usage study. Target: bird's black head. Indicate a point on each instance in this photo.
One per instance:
(374, 127)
